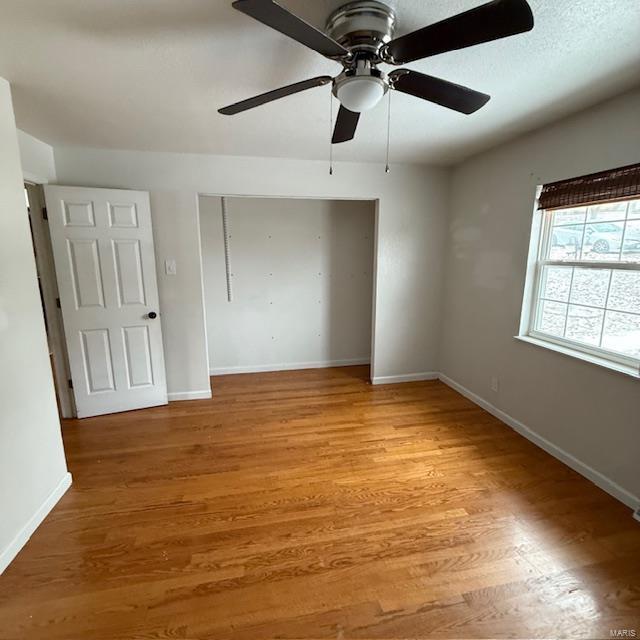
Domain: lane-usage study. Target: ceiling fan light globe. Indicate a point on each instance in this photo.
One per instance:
(360, 94)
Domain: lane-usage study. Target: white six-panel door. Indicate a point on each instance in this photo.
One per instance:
(106, 272)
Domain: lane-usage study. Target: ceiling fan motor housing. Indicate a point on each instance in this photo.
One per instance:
(363, 27)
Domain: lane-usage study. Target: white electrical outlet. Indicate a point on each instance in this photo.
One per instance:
(495, 384)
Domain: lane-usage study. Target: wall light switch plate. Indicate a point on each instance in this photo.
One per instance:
(170, 267)
(495, 384)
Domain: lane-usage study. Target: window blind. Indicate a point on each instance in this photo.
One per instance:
(614, 184)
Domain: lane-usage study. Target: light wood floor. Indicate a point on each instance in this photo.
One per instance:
(313, 505)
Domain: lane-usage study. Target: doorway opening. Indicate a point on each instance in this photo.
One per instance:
(288, 282)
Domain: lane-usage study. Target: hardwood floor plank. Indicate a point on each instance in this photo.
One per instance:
(310, 504)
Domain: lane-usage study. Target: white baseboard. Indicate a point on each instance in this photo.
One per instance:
(287, 366)
(406, 377)
(205, 394)
(22, 537)
(599, 479)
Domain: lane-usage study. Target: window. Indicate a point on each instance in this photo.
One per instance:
(585, 294)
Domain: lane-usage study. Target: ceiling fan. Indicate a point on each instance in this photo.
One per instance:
(359, 35)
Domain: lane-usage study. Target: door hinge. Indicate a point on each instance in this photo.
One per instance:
(44, 213)
(58, 303)
(70, 381)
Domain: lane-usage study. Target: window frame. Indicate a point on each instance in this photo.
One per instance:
(539, 248)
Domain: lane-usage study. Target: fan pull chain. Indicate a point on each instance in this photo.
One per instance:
(387, 169)
(330, 133)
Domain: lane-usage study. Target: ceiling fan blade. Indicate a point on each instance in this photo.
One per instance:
(278, 18)
(276, 94)
(442, 92)
(346, 124)
(491, 21)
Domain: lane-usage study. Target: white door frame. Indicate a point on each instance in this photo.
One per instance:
(50, 298)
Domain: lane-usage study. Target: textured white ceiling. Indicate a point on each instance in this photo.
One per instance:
(150, 74)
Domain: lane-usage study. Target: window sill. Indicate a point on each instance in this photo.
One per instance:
(601, 362)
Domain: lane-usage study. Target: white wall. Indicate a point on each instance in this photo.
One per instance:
(302, 282)
(589, 412)
(33, 472)
(38, 164)
(411, 226)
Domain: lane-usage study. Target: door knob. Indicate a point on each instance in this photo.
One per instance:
(152, 315)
